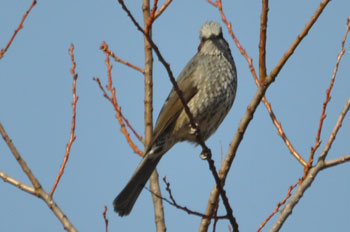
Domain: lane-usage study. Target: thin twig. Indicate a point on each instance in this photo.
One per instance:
(335, 130)
(74, 114)
(20, 26)
(104, 48)
(104, 215)
(151, 17)
(297, 41)
(162, 9)
(118, 116)
(282, 133)
(174, 203)
(328, 98)
(279, 204)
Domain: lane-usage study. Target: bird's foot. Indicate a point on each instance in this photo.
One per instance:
(194, 131)
(205, 154)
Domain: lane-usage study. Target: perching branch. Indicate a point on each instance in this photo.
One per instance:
(174, 203)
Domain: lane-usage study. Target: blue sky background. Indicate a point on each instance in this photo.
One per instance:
(35, 109)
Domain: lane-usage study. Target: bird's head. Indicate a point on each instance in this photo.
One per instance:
(212, 40)
(210, 30)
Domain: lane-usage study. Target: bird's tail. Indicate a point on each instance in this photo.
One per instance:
(126, 199)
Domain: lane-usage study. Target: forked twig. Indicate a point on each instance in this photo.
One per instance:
(162, 9)
(104, 48)
(328, 98)
(113, 100)
(37, 190)
(311, 175)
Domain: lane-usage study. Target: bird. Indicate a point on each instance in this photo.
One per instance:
(208, 84)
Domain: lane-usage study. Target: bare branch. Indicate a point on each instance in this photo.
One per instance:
(297, 41)
(282, 133)
(20, 26)
(162, 9)
(335, 130)
(72, 130)
(173, 202)
(311, 175)
(105, 49)
(262, 43)
(17, 183)
(328, 98)
(38, 191)
(113, 100)
(279, 204)
(341, 160)
(19, 159)
(120, 119)
(148, 19)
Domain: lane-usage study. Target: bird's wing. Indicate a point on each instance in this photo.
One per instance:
(173, 105)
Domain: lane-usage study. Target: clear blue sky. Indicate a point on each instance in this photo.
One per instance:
(35, 98)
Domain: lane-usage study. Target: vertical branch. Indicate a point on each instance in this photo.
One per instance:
(72, 130)
(154, 183)
(262, 43)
